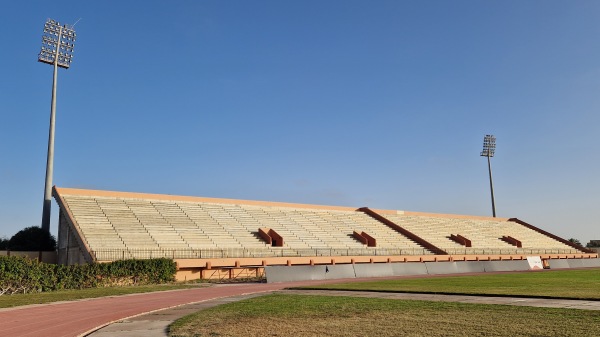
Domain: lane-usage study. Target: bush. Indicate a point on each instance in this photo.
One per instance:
(22, 275)
(32, 239)
(16, 275)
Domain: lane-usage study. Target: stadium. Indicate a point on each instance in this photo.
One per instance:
(234, 239)
(332, 103)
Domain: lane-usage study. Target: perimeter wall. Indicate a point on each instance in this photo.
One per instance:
(235, 268)
(46, 257)
(322, 272)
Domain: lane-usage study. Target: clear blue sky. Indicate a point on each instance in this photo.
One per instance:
(357, 103)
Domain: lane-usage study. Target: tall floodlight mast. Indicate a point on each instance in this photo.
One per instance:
(57, 49)
(489, 148)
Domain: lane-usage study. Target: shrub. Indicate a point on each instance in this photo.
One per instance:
(32, 239)
(22, 275)
(17, 275)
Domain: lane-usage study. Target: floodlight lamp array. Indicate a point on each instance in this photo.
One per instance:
(58, 43)
(489, 146)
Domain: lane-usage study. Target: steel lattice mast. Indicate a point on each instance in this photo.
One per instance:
(58, 42)
(489, 149)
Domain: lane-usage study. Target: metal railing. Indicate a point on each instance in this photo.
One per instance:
(119, 254)
(509, 251)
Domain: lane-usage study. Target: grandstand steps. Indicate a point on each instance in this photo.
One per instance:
(417, 240)
(140, 226)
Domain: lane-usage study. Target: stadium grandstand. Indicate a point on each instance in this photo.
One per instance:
(218, 238)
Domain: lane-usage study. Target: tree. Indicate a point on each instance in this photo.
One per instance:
(3, 243)
(575, 241)
(32, 239)
(593, 244)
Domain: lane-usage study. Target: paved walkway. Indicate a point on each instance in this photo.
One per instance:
(156, 324)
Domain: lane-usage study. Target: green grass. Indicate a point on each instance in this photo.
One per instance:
(302, 315)
(7, 301)
(574, 284)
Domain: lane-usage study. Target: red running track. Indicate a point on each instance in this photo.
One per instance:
(80, 317)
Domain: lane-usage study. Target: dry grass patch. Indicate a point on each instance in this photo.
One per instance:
(302, 315)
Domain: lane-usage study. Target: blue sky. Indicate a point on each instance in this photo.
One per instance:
(356, 103)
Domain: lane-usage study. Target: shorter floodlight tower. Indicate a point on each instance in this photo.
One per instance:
(489, 148)
(58, 42)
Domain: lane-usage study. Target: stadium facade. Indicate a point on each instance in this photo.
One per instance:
(226, 238)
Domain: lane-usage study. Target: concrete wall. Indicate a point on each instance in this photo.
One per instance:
(591, 263)
(574, 263)
(517, 265)
(46, 257)
(370, 270)
(470, 267)
(409, 268)
(340, 271)
(69, 250)
(435, 268)
(320, 272)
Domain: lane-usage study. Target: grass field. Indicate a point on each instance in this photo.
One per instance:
(8, 301)
(304, 315)
(301, 315)
(575, 284)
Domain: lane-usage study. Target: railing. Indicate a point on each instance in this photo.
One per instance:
(118, 254)
(509, 251)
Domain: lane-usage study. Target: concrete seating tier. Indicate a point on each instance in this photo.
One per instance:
(198, 227)
(304, 228)
(134, 224)
(385, 236)
(483, 233)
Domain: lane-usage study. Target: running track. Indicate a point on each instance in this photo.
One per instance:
(80, 317)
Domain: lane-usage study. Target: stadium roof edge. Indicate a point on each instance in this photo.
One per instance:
(168, 197)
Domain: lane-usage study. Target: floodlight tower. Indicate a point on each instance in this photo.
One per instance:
(57, 49)
(489, 148)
